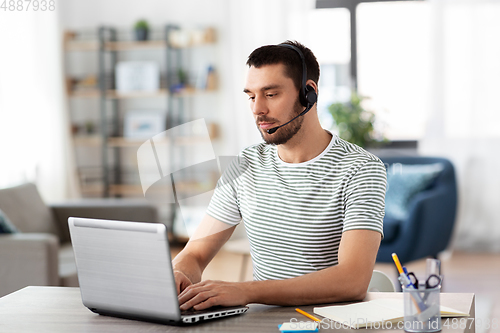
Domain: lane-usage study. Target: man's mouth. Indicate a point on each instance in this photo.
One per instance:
(265, 125)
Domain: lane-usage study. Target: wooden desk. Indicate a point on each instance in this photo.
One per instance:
(59, 309)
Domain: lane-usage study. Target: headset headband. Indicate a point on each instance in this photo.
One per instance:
(304, 67)
(307, 94)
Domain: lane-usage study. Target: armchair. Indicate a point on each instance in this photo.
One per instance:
(41, 253)
(428, 226)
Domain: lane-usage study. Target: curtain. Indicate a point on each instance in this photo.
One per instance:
(35, 143)
(464, 122)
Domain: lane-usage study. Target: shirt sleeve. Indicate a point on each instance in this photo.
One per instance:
(364, 199)
(224, 203)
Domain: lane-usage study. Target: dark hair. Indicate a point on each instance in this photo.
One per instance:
(275, 54)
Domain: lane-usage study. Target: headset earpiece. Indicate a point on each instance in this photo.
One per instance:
(310, 95)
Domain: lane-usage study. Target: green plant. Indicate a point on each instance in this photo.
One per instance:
(141, 24)
(354, 123)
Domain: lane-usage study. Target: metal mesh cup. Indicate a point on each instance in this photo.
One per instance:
(421, 310)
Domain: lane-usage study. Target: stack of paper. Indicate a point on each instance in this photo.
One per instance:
(373, 313)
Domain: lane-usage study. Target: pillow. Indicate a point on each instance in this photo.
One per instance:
(6, 227)
(404, 182)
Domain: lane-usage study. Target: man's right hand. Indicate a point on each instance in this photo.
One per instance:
(181, 281)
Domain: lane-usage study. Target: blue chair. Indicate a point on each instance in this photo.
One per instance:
(427, 228)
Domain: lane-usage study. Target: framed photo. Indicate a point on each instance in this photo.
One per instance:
(144, 124)
(133, 76)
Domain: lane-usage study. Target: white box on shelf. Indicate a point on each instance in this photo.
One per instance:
(133, 76)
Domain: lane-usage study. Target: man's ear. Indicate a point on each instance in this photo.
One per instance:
(312, 84)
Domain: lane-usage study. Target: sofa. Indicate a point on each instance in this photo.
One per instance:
(40, 253)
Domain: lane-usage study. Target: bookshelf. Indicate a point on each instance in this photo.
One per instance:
(97, 109)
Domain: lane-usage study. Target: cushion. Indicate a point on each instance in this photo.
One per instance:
(6, 227)
(404, 181)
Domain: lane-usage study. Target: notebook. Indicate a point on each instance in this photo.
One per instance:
(372, 313)
(125, 270)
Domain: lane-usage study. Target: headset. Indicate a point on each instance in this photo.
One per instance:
(307, 94)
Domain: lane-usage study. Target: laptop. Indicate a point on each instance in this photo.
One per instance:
(125, 270)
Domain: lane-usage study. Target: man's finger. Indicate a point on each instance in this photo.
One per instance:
(185, 291)
(197, 299)
(191, 292)
(206, 304)
(192, 286)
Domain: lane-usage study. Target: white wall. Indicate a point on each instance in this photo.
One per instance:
(91, 13)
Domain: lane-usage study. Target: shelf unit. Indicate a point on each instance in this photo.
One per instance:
(107, 46)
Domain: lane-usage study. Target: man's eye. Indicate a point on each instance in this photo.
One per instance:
(271, 95)
(251, 98)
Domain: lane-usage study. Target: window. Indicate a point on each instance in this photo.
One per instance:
(394, 65)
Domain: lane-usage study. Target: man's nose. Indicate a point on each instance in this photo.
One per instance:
(259, 106)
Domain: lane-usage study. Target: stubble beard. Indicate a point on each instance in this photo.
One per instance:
(285, 133)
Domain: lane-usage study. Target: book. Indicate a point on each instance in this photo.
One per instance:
(373, 313)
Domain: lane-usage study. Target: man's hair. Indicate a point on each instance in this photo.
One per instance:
(274, 54)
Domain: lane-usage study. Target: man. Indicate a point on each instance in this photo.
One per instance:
(312, 203)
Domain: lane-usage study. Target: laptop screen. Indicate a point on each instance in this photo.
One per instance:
(125, 267)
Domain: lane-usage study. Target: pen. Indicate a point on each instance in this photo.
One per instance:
(405, 281)
(307, 315)
(406, 273)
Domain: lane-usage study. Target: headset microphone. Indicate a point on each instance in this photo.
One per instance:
(307, 94)
(274, 129)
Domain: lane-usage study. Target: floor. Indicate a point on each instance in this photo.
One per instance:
(477, 273)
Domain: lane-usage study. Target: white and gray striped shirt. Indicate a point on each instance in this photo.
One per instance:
(295, 213)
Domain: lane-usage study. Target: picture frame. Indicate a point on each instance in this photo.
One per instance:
(137, 76)
(143, 124)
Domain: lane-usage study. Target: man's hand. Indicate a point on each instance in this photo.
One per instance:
(210, 293)
(181, 281)
(207, 240)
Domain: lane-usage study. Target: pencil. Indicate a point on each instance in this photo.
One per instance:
(402, 274)
(307, 315)
(398, 264)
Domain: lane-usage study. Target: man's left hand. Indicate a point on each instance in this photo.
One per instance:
(211, 293)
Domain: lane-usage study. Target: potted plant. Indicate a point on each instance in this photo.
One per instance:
(354, 123)
(141, 29)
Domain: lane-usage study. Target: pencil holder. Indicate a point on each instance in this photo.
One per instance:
(421, 310)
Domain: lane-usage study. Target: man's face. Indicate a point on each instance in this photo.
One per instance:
(274, 100)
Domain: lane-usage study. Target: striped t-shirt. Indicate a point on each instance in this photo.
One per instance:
(295, 213)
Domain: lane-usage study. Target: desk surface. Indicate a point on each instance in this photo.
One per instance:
(58, 309)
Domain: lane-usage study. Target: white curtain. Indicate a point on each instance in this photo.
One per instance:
(464, 123)
(35, 143)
